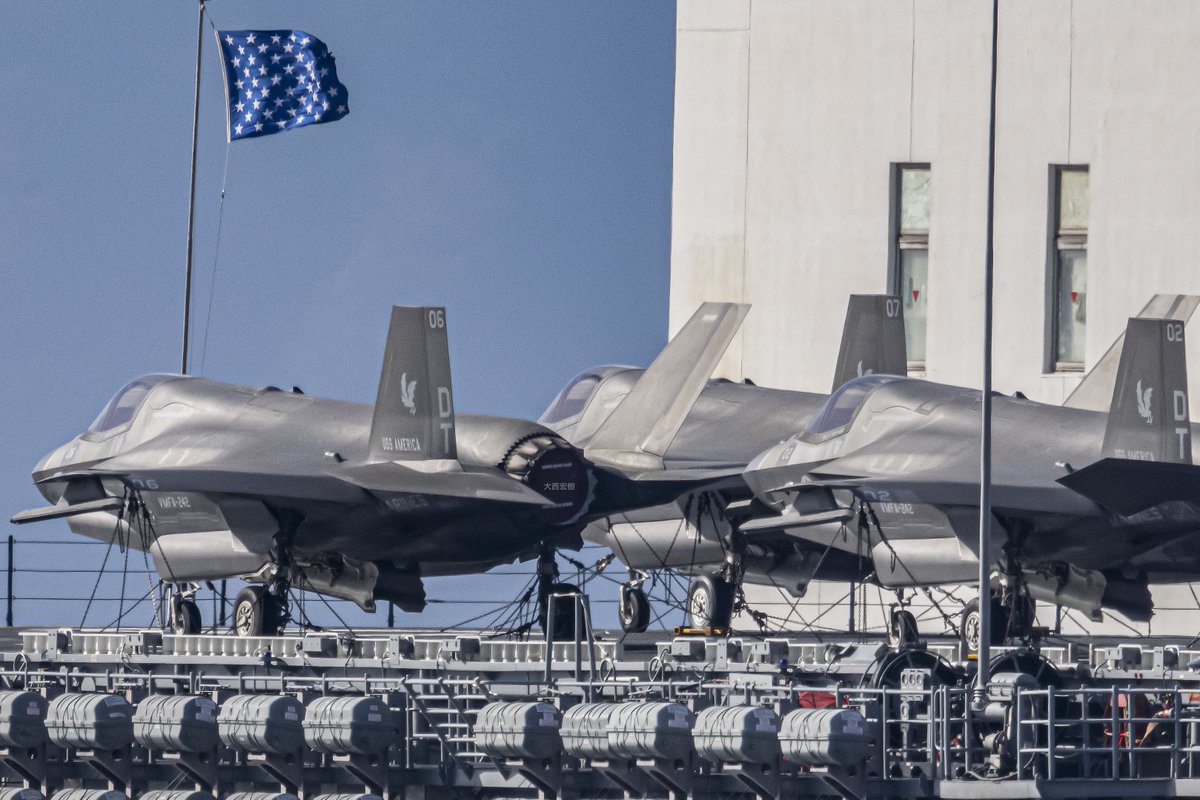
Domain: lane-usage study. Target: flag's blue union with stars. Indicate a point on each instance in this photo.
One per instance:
(278, 80)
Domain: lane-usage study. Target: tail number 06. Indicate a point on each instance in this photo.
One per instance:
(437, 318)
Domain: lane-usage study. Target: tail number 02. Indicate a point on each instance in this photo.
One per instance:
(1174, 331)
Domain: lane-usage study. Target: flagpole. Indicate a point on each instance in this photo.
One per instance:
(985, 436)
(187, 286)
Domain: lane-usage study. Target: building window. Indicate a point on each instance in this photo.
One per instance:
(1068, 267)
(909, 253)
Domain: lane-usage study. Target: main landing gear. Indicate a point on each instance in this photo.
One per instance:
(710, 602)
(1013, 615)
(257, 612)
(261, 610)
(1013, 611)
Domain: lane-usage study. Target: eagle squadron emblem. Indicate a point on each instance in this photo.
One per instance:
(1143, 403)
(860, 370)
(407, 392)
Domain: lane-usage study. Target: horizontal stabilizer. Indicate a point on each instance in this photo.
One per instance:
(1128, 486)
(67, 510)
(639, 431)
(396, 478)
(618, 490)
(872, 339)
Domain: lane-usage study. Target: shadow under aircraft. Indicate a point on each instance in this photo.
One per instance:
(360, 502)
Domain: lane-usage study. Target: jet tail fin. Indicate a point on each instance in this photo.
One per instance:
(872, 339)
(414, 409)
(1095, 390)
(639, 430)
(1148, 418)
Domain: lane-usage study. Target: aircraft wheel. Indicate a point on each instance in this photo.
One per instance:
(902, 628)
(634, 610)
(710, 603)
(563, 624)
(185, 617)
(969, 628)
(255, 612)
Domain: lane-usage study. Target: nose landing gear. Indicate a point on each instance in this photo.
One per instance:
(183, 615)
(634, 607)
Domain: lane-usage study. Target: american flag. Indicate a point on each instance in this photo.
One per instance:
(278, 80)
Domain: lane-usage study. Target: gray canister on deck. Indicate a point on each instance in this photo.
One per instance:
(181, 723)
(349, 724)
(22, 719)
(90, 721)
(262, 723)
(519, 730)
(737, 734)
(825, 736)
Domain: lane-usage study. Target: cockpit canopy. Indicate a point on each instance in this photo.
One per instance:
(572, 400)
(841, 407)
(126, 402)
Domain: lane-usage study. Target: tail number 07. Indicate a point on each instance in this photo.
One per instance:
(891, 307)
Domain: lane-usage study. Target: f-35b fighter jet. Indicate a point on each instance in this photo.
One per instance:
(216, 480)
(1088, 507)
(726, 426)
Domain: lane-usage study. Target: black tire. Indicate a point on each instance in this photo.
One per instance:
(968, 625)
(710, 603)
(902, 628)
(255, 612)
(563, 625)
(185, 618)
(634, 610)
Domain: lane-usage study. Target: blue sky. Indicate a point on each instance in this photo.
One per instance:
(510, 161)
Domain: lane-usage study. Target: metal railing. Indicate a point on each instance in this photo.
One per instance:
(1102, 733)
(49, 582)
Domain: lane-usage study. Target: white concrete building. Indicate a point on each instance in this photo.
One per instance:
(829, 147)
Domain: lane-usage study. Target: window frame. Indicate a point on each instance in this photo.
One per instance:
(899, 240)
(1059, 240)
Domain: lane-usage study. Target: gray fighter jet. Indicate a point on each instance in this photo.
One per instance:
(282, 489)
(1088, 507)
(726, 426)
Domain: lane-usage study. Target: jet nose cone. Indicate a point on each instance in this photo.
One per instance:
(57, 458)
(45, 461)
